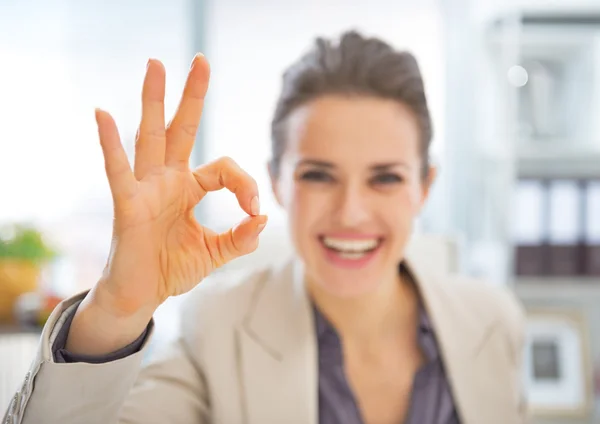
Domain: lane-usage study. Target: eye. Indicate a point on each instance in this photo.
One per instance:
(387, 179)
(316, 176)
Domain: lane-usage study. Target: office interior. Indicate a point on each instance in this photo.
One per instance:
(514, 92)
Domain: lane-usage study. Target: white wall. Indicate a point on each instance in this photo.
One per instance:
(60, 60)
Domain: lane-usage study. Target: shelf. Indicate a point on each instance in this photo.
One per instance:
(566, 288)
(558, 281)
(548, 163)
(553, 14)
(533, 149)
(557, 162)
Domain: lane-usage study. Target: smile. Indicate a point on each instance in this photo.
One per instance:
(349, 252)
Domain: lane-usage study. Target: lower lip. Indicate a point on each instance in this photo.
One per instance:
(337, 260)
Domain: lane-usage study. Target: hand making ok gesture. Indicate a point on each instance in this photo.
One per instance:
(158, 248)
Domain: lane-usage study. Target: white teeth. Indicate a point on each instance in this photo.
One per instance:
(349, 246)
(351, 256)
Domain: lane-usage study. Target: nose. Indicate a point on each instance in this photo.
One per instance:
(353, 206)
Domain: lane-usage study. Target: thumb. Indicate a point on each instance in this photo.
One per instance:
(239, 240)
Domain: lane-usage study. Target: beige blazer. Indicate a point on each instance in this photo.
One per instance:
(247, 354)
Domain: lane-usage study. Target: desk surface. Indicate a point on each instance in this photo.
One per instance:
(7, 329)
(18, 346)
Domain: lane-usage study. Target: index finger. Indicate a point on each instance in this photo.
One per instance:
(118, 170)
(226, 173)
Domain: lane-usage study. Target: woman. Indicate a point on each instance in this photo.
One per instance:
(351, 331)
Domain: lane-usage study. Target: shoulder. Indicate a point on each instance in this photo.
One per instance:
(488, 298)
(491, 303)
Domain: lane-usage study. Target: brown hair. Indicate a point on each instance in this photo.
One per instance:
(356, 65)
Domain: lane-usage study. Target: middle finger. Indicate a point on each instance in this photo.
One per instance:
(150, 141)
(181, 132)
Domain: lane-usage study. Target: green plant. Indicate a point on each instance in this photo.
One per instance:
(24, 242)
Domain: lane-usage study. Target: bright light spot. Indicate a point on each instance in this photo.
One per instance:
(517, 76)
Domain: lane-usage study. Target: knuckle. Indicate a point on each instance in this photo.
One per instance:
(180, 163)
(253, 247)
(234, 243)
(175, 126)
(189, 130)
(228, 162)
(222, 251)
(149, 134)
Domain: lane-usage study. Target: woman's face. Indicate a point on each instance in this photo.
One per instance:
(350, 182)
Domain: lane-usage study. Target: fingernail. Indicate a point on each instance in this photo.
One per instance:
(255, 206)
(195, 59)
(260, 228)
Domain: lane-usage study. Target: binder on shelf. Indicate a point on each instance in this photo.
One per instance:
(565, 228)
(592, 228)
(529, 233)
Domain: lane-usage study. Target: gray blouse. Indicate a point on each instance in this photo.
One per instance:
(431, 398)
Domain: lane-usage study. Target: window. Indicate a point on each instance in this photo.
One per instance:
(59, 62)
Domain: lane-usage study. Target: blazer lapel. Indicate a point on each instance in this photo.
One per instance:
(278, 352)
(472, 347)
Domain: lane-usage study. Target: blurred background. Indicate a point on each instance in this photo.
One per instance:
(514, 90)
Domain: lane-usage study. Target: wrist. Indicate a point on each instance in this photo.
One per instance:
(117, 307)
(97, 330)
(123, 321)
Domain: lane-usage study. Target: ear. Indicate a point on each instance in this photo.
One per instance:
(428, 182)
(274, 182)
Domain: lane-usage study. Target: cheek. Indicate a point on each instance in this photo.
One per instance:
(415, 198)
(403, 207)
(307, 205)
(303, 208)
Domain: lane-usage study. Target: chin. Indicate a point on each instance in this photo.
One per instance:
(346, 288)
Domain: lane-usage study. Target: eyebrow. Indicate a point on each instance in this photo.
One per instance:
(375, 167)
(388, 165)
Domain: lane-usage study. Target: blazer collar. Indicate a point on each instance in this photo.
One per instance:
(459, 326)
(281, 316)
(278, 348)
(482, 381)
(278, 351)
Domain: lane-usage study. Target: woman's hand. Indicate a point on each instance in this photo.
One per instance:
(158, 248)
